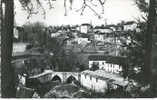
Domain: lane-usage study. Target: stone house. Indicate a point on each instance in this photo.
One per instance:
(100, 81)
(93, 82)
(102, 33)
(85, 28)
(108, 63)
(20, 47)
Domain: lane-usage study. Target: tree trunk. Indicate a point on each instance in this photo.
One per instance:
(148, 42)
(1, 14)
(8, 79)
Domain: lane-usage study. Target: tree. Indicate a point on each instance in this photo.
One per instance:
(35, 33)
(8, 79)
(148, 40)
(135, 54)
(1, 14)
(151, 22)
(140, 49)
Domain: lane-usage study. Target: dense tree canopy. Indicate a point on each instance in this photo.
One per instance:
(35, 33)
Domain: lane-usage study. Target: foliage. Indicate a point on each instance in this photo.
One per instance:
(118, 93)
(61, 60)
(135, 53)
(35, 33)
(142, 5)
(136, 49)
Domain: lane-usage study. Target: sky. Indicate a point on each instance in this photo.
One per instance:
(115, 11)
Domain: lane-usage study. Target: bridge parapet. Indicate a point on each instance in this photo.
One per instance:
(65, 75)
(62, 76)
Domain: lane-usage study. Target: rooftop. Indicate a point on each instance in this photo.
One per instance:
(129, 23)
(90, 48)
(101, 74)
(86, 24)
(103, 27)
(42, 74)
(21, 43)
(108, 59)
(25, 54)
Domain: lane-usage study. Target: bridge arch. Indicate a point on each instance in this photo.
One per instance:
(71, 79)
(72, 74)
(56, 78)
(65, 76)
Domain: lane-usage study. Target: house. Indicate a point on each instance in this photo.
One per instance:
(80, 40)
(89, 48)
(54, 35)
(19, 34)
(108, 49)
(92, 81)
(110, 64)
(119, 27)
(126, 26)
(99, 36)
(20, 47)
(75, 28)
(103, 29)
(112, 26)
(16, 33)
(100, 81)
(85, 28)
(130, 26)
(102, 33)
(100, 47)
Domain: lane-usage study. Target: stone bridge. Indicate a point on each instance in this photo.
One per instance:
(63, 77)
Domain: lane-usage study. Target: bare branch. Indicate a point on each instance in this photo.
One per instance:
(65, 8)
(50, 4)
(71, 3)
(85, 5)
(28, 6)
(94, 11)
(44, 11)
(92, 3)
(102, 5)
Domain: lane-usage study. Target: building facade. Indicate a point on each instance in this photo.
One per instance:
(20, 47)
(108, 63)
(85, 28)
(101, 81)
(102, 33)
(92, 82)
(99, 37)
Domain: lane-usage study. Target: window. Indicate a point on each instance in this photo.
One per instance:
(90, 77)
(96, 79)
(103, 63)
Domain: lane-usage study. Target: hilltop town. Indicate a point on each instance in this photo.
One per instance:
(91, 57)
(78, 48)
